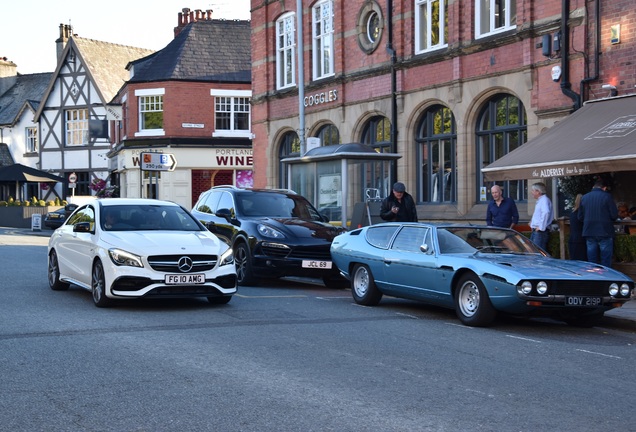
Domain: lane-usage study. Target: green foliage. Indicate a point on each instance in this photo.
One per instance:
(3, 203)
(625, 248)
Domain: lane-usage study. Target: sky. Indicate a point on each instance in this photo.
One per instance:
(31, 27)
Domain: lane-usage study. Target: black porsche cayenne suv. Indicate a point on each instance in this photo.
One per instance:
(274, 233)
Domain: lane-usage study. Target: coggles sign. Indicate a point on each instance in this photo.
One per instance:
(320, 98)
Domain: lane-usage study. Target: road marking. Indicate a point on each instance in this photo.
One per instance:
(460, 326)
(407, 315)
(601, 354)
(525, 339)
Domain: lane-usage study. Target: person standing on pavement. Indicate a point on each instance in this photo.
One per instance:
(576, 242)
(542, 216)
(598, 214)
(399, 206)
(502, 211)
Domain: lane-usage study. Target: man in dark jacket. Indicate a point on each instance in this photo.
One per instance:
(399, 206)
(598, 213)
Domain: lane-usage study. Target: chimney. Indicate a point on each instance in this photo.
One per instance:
(66, 31)
(8, 75)
(187, 16)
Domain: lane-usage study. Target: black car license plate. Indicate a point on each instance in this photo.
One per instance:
(583, 301)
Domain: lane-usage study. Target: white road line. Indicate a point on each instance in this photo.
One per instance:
(525, 339)
(407, 315)
(601, 354)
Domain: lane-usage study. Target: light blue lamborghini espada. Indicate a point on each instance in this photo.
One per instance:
(476, 270)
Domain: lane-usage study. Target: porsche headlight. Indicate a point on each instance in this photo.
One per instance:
(526, 288)
(613, 289)
(542, 288)
(227, 258)
(122, 258)
(625, 290)
(268, 231)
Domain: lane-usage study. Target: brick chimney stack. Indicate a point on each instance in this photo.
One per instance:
(66, 31)
(187, 16)
(8, 75)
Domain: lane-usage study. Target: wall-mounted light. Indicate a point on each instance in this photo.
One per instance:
(615, 34)
(613, 92)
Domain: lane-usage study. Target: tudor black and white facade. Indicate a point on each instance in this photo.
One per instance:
(73, 114)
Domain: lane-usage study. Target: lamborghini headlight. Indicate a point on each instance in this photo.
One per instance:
(526, 288)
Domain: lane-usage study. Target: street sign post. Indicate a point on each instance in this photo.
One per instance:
(158, 162)
(72, 178)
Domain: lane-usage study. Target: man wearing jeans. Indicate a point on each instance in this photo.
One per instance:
(542, 216)
(598, 214)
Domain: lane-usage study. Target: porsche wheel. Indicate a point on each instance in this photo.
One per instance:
(98, 286)
(54, 274)
(243, 260)
(363, 287)
(472, 304)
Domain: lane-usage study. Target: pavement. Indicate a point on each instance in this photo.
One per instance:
(623, 317)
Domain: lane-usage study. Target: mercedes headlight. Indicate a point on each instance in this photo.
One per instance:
(227, 258)
(122, 258)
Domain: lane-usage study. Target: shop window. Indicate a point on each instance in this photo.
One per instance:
(436, 140)
(501, 128)
(289, 147)
(377, 134)
(329, 135)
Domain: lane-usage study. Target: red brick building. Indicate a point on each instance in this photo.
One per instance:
(190, 100)
(452, 86)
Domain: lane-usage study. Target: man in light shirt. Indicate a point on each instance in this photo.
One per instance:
(542, 217)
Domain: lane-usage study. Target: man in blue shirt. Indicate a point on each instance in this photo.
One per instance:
(501, 212)
(598, 214)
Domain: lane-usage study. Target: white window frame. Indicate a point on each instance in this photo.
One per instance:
(76, 126)
(142, 95)
(286, 51)
(323, 39)
(424, 23)
(31, 139)
(232, 95)
(510, 20)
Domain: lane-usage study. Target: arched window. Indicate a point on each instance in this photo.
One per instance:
(436, 139)
(328, 135)
(501, 128)
(289, 147)
(377, 134)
